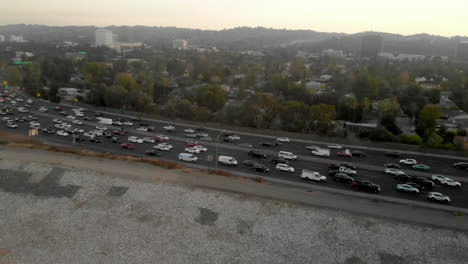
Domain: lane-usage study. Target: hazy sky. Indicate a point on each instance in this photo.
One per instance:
(447, 18)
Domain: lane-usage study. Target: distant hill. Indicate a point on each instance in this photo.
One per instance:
(241, 38)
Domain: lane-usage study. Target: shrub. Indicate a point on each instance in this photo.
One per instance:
(414, 139)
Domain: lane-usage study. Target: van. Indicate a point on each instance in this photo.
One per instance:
(321, 152)
(187, 157)
(287, 155)
(226, 160)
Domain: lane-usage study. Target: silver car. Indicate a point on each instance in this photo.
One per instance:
(406, 188)
(438, 197)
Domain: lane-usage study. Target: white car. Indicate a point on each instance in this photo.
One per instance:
(394, 172)
(77, 122)
(59, 126)
(134, 139)
(287, 155)
(62, 133)
(163, 147)
(29, 101)
(451, 183)
(192, 150)
(127, 123)
(283, 139)
(189, 130)
(58, 121)
(148, 140)
(79, 114)
(408, 162)
(144, 129)
(88, 135)
(78, 130)
(13, 102)
(169, 128)
(96, 132)
(407, 188)
(235, 137)
(34, 124)
(71, 117)
(11, 125)
(201, 148)
(19, 99)
(22, 110)
(103, 128)
(439, 178)
(284, 167)
(311, 147)
(163, 137)
(348, 171)
(334, 146)
(42, 109)
(438, 197)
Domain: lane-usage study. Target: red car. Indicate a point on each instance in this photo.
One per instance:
(118, 132)
(58, 108)
(158, 139)
(344, 154)
(127, 146)
(5, 95)
(190, 145)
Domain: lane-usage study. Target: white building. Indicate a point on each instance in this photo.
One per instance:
(179, 44)
(2, 38)
(332, 53)
(104, 37)
(16, 38)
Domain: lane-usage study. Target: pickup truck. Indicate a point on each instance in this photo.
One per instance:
(312, 175)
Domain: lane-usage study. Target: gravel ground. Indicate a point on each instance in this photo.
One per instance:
(51, 214)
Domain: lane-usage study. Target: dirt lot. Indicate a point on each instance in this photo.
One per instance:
(60, 208)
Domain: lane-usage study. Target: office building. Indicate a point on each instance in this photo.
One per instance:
(371, 45)
(2, 38)
(462, 51)
(332, 53)
(179, 44)
(104, 37)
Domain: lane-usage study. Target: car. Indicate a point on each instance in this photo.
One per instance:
(461, 165)
(348, 171)
(341, 177)
(78, 130)
(162, 137)
(98, 114)
(201, 148)
(144, 129)
(152, 152)
(11, 125)
(103, 128)
(358, 153)
(260, 168)
(22, 110)
(311, 147)
(232, 136)
(134, 139)
(87, 118)
(163, 147)
(438, 197)
(48, 131)
(333, 173)
(77, 122)
(365, 186)
(257, 154)
(79, 138)
(283, 140)
(58, 108)
(20, 99)
(94, 140)
(148, 140)
(393, 154)
(191, 135)
(169, 129)
(287, 155)
(208, 139)
(269, 144)
(392, 166)
(428, 184)
(229, 139)
(189, 130)
(334, 146)
(406, 188)
(420, 167)
(116, 123)
(116, 140)
(29, 101)
(277, 160)
(127, 123)
(336, 166)
(118, 132)
(408, 162)
(402, 177)
(451, 183)
(249, 163)
(64, 113)
(127, 146)
(34, 125)
(284, 167)
(345, 154)
(191, 144)
(192, 150)
(394, 172)
(62, 133)
(438, 178)
(415, 185)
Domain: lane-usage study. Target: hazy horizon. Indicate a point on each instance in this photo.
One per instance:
(340, 16)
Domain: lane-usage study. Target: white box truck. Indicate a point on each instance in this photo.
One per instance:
(321, 152)
(187, 157)
(312, 175)
(226, 160)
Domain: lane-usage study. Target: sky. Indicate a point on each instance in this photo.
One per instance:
(436, 17)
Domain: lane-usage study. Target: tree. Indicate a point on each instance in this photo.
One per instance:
(389, 106)
(95, 72)
(433, 96)
(351, 104)
(434, 140)
(365, 86)
(427, 119)
(323, 115)
(185, 109)
(115, 96)
(211, 96)
(295, 116)
(298, 70)
(14, 76)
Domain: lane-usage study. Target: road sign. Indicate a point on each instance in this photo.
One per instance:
(38, 94)
(33, 132)
(209, 158)
(5, 82)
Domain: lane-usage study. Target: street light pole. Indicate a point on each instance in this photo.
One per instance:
(216, 152)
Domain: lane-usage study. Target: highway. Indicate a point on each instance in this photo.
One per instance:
(368, 168)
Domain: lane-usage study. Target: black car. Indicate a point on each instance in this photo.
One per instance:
(461, 165)
(228, 139)
(80, 138)
(152, 152)
(249, 163)
(358, 153)
(366, 186)
(269, 144)
(116, 140)
(341, 177)
(87, 118)
(202, 129)
(257, 154)
(107, 134)
(279, 160)
(402, 177)
(392, 166)
(94, 140)
(333, 173)
(393, 154)
(144, 124)
(346, 165)
(98, 114)
(260, 168)
(48, 131)
(428, 184)
(64, 113)
(415, 185)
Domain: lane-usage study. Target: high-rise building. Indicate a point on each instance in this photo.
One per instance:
(371, 45)
(462, 51)
(179, 44)
(104, 37)
(2, 38)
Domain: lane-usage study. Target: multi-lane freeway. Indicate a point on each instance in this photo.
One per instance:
(368, 168)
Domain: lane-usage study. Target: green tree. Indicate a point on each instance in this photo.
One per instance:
(295, 116)
(434, 140)
(185, 109)
(365, 86)
(323, 114)
(95, 72)
(427, 119)
(211, 96)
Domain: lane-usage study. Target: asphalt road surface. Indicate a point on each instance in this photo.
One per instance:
(368, 168)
